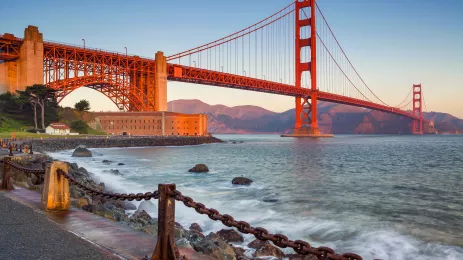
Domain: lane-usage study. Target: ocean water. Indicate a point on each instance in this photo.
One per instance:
(383, 197)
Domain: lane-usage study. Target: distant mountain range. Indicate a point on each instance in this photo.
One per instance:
(333, 118)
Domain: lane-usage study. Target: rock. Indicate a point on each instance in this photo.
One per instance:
(142, 215)
(120, 164)
(230, 235)
(81, 152)
(183, 242)
(256, 243)
(270, 200)
(301, 257)
(241, 181)
(82, 202)
(217, 249)
(147, 206)
(269, 250)
(129, 206)
(239, 252)
(199, 168)
(114, 172)
(106, 161)
(196, 227)
(74, 166)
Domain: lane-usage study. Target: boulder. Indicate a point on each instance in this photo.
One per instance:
(230, 235)
(269, 250)
(129, 206)
(114, 172)
(239, 252)
(106, 161)
(199, 168)
(216, 248)
(256, 243)
(82, 152)
(196, 227)
(241, 181)
(147, 206)
(142, 215)
(120, 164)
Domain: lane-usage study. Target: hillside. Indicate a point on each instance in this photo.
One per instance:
(333, 118)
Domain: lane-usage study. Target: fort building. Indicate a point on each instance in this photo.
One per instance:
(156, 123)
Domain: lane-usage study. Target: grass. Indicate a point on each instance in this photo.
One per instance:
(44, 136)
(9, 125)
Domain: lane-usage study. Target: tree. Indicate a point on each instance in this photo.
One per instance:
(39, 95)
(82, 105)
(79, 126)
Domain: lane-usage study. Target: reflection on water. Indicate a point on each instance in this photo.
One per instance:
(388, 197)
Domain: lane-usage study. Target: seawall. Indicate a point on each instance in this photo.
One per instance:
(53, 145)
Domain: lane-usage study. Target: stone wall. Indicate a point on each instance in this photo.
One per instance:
(52, 145)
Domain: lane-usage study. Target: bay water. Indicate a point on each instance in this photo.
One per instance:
(385, 197)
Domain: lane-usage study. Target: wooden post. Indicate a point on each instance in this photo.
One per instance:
(6, 181)
(165, 247)
(55, 195)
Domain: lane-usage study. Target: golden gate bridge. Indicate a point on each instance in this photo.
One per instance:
(293, 52)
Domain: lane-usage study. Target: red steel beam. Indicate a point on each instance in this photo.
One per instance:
(202, 76)
(214, 78)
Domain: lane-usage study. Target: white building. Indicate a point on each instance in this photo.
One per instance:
(57, 129)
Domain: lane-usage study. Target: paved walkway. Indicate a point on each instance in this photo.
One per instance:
(26, 232)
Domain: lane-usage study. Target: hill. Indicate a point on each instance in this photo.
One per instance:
(333, 118)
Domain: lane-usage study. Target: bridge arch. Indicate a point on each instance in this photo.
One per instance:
(122, 95)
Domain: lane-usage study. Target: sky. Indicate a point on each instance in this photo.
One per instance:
(392, 43)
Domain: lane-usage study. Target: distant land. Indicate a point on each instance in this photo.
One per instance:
(333, 118)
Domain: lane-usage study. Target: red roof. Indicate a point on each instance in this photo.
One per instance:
(59, 126)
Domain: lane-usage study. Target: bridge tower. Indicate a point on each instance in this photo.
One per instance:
(26, 68)
(306, 124)
(417, 110)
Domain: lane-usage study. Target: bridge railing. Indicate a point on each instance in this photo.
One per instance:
(56, 196)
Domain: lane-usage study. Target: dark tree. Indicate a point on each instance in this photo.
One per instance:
(79, 126)
(41, 96)
(82, 105)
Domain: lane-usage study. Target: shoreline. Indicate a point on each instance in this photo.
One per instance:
(55, 145)
(220, 244)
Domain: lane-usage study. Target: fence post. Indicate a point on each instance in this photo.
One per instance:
(6, 181)
(11, 150)
(165, 246)
(55, 195)
(30, 150)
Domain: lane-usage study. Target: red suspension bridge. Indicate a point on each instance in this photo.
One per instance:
(293, 52)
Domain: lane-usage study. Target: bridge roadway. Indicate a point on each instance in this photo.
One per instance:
(26, 232)
(197, 75)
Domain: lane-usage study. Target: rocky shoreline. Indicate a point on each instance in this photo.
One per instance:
(54, 145)
(224, 244)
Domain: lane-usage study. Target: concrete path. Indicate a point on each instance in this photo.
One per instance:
(26, 232)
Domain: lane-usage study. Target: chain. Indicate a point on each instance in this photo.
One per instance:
(24, 169)
(301, 247)
(116, 196)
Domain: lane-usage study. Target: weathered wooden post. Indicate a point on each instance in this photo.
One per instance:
(30, 150)
(55, 195)
(11, 150)
(26, 149)
(165, 247)
(6, 181)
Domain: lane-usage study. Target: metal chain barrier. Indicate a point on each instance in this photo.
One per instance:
(116, 196)
(301, 247)
(24, 169)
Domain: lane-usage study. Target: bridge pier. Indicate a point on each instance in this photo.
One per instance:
(27, 68)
